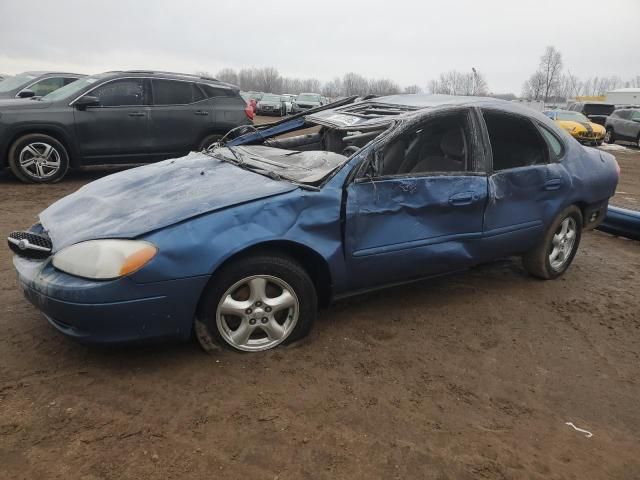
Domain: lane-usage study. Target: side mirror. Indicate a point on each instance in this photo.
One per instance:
(87, 101)
(26, 93)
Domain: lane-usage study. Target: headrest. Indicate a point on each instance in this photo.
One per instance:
(452, 143)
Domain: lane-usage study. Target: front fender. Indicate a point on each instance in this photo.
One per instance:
(200, 245)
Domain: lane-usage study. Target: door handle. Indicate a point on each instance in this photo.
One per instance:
(464, 198)
(553, 184)
(201, 112)
(137, 114)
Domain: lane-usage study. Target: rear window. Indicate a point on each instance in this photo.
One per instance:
(172, 92)
(210, 91)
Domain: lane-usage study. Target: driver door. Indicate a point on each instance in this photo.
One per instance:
(415, 212)
(118, 128)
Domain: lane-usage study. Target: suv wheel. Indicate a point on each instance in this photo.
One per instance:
(608, 136)
(209, 141)
(38, 158)
(255, 304)
(555, 252)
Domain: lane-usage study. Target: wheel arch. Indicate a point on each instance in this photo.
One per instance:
(50, 130)
(313, 262)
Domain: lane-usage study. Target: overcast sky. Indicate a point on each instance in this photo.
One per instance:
(410, 42)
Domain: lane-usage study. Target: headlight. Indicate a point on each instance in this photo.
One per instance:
(104, 259)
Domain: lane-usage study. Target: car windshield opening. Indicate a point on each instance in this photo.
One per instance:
(307, 155)
(572, 117)
(73, 88)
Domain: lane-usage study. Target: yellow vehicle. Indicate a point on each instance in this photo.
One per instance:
(578, 126)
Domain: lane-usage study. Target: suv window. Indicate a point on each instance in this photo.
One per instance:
(69, 80)
(211, 91)
(120, 93)
(438, 145)
(173, 92)
(624, 113)
(46, 86)
(515, 142)
(635, 115)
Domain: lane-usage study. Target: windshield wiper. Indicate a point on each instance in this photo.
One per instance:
(235, 155)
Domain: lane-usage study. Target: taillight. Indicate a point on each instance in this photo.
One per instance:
(249, 112)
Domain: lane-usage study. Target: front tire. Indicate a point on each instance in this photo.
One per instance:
(553, 255)
(38, 158)
(256, 303)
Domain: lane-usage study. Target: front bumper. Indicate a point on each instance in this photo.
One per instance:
(110, 312)
(585, 137)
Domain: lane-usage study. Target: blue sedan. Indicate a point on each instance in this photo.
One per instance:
(240, 245)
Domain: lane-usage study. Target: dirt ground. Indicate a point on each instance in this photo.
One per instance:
(468, 376)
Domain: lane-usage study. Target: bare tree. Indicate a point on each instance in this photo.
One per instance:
(457, 83)
(412, 89)
(333, 88)
(228, 75)
(383, 87)
(533, 89)
(551, 70)
(354, 84)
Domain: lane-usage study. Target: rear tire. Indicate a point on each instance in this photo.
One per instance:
(208, 141)
(255, 304)
(608, 136)
(38, 158)
(553, 255)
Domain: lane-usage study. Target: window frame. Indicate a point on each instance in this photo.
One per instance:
(38, 80)
(552, 155)
(146, 85)
(193, 85)
(148, 96)
(476, 154)
(534, 126)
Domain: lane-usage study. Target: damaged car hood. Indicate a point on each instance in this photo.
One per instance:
(130, 203)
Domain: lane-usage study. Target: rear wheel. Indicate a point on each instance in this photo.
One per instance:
(255, 304)
(209, 141)
(608, 136)
(38, 158)
(556, 251)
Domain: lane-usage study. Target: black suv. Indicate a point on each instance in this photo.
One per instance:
(597, 112)
(35, 84)
(116, 117)
(623, 124)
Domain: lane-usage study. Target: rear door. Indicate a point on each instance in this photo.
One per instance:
(118, 129)
(417, 212)
(178, 117)
(527, 185)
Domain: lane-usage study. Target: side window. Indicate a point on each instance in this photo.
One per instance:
(515, 142)
(211, 91)
(554, 144)
(172, 92)
(69, 80)
(48, 85)
(635, 115)
(120, 93)
(439, 145)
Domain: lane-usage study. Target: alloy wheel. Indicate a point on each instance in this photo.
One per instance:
(39, 160)
(257, 313)
(562, 244)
